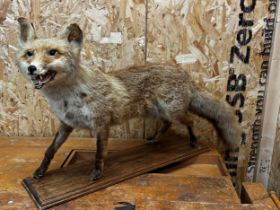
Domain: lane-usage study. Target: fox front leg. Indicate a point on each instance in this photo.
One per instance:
(60, 137)
(101, 153)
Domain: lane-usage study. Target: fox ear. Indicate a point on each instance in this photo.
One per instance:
(73, 34)
(27, 31)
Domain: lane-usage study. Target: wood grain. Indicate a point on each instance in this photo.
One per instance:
(20, 156)
(209, 163)
(67, 183)
(180, 205)
(256, 193)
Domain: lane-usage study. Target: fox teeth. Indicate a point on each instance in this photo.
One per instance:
(41, 77)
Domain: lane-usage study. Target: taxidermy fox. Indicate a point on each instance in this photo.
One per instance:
(83, 98)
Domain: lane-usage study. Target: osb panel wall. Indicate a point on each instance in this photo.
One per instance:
(114, 38)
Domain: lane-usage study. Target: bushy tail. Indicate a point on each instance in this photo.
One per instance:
(220, 115)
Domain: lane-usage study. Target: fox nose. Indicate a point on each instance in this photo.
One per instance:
(31, 69)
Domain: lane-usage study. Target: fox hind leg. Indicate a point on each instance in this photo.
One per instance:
(193, 139)
(186, 121)
(165, 125)
(157, 111)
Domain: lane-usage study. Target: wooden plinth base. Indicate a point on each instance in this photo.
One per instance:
(72, 180)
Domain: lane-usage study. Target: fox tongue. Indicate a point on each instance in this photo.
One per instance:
(45, 78)
(40, 80)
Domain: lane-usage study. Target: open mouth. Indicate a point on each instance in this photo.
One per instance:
(40, 80)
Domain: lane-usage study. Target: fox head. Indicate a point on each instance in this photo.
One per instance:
(48, 62)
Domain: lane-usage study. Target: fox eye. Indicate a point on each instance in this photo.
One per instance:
(29, 53)
(52, 52)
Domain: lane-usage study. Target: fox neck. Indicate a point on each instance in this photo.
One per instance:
(68, 83)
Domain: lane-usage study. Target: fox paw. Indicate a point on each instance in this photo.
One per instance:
(39, 173)
(193, 142)
(95, 174)
(151, 140)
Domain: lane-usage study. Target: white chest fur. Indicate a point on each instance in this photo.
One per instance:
(70, 108)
